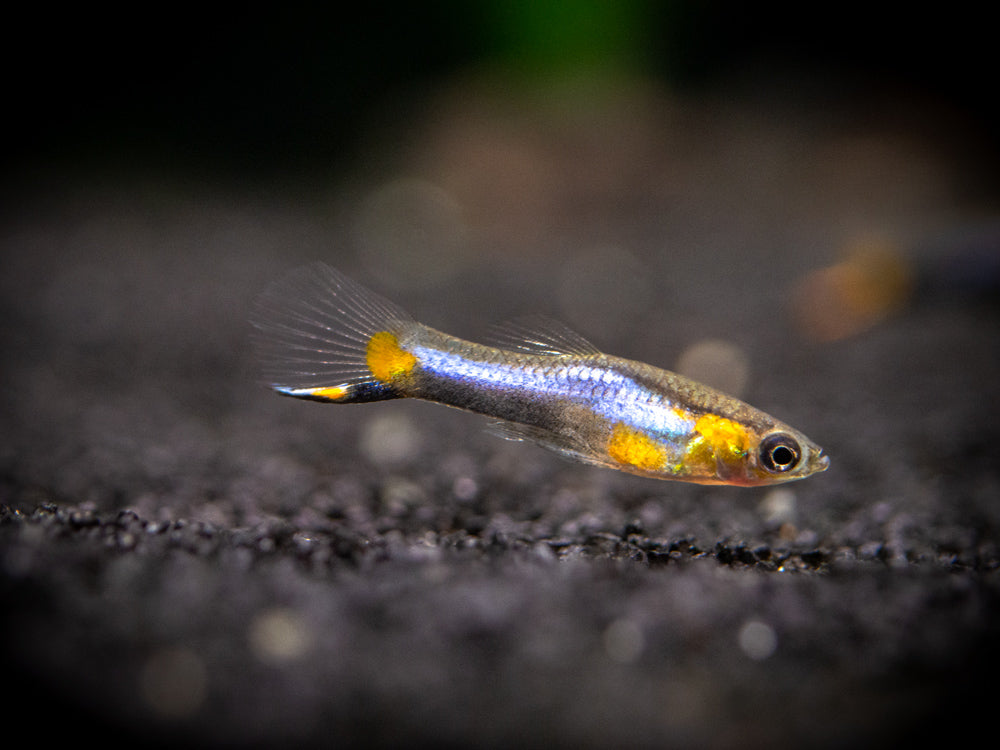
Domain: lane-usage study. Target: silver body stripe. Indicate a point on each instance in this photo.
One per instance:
(611, 395)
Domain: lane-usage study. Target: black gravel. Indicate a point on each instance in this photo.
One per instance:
(185, 557)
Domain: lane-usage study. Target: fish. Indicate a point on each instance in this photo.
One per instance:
(324, 337)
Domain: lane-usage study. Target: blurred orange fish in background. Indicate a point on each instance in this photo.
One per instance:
(873, 281)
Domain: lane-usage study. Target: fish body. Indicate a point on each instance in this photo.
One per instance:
(324, 337)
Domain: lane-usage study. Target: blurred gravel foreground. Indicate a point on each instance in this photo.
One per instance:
(186, 557)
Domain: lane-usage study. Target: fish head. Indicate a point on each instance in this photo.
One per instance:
(748, 452)
(783, 455)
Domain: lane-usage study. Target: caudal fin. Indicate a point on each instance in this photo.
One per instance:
(319, 335)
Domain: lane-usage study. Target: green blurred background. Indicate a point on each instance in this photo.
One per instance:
(292, 93)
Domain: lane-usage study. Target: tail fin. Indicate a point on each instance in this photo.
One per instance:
(320, 335)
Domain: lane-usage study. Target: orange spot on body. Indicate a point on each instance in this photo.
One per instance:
(633, 448)
(724, 435)
(718, 440)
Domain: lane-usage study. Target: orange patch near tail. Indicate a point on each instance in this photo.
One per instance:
(387, 360)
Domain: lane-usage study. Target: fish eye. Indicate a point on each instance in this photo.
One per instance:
(779, 453)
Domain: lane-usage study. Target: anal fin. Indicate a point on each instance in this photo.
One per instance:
(570, 447)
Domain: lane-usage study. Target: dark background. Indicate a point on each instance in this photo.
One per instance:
(282, 93)
(186, 557)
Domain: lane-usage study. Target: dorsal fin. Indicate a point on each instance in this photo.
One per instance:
(538, 334)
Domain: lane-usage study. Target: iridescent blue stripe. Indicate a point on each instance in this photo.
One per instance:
(609, 394)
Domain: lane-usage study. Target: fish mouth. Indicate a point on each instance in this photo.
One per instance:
(820, 462)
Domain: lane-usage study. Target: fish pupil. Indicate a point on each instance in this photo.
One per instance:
(782, 456)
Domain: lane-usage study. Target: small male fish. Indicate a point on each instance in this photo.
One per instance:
(324, 337)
